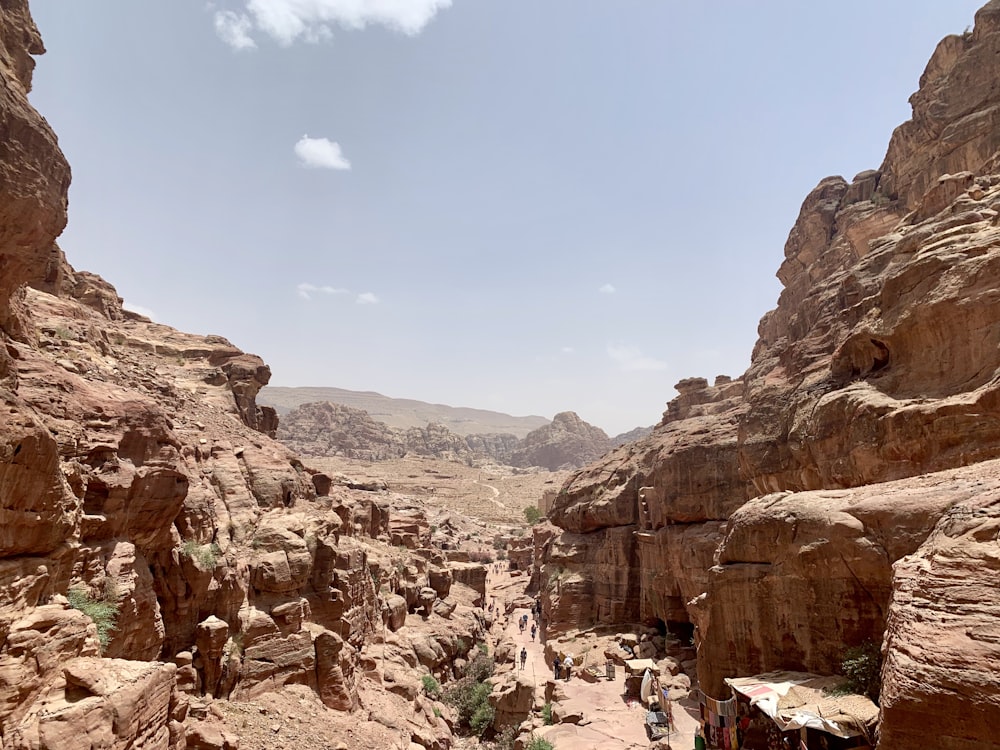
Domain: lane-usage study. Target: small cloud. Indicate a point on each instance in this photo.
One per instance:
(607, 289)
(366, 298)
(286, 21)
(139, 310)
(567, 350)
(234, 29)
(320, 153)
(306, 291)
(630, 359)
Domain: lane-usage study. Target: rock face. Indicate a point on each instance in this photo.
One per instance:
(844, 489)
(34, 175)
(328, 429)
(655, 507)
(567, 442)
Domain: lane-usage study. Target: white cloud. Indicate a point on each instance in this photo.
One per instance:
(306, 291)
(607, 289)
(567, 350)
(366, 298)
(139, 309)
(286, 21)
(320, 153)
(630, 359)
(234, 29)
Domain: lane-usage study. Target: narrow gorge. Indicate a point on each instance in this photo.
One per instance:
(164, 559)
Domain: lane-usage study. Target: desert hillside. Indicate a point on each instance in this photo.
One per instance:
(403, 413)
(325, 429)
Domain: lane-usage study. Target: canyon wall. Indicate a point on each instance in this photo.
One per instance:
(853, 493)
(157, 547)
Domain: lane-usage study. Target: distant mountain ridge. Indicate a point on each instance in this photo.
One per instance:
(403, 413)
(328, 429)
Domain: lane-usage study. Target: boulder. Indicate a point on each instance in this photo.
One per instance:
(396, 611)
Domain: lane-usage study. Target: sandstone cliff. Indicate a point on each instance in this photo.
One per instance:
(864, 433)
(328, 429)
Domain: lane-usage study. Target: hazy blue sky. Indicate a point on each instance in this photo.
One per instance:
(523, 205)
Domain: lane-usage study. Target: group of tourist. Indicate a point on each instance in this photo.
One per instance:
(563, 668)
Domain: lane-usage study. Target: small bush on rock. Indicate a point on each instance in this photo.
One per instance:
(862, 666)
(103, 611)
(431, 686)
(204, 556)
(470, 696)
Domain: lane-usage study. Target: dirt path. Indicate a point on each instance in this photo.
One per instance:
(494, 490)
(609, 721)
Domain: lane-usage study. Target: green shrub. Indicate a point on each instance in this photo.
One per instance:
(480, 668)
(547, 714)
(204, 556)
(539, 743)
(103, 611)
(482, 718)
(862, 666)
(470, 696)
(505, 740)
(532, 515)
(431, 686)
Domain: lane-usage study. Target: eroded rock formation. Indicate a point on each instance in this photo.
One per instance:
(328, 429)
(566, 442)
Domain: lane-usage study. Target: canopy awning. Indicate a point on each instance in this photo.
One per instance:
(799, 699)
(638, 666)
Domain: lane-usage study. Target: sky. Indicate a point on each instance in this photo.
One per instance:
(530, 206)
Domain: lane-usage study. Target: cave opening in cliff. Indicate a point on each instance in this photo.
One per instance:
(681, 630)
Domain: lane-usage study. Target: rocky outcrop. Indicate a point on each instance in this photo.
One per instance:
(941, 637)
(34, 175)
(631, 436)
(955, 124)
(328, 429)
(567, 442)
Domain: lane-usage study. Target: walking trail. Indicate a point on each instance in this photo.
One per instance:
(609, 721)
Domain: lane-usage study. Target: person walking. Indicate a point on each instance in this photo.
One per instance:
(524, 657)
(568, 666)
(557, 667)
